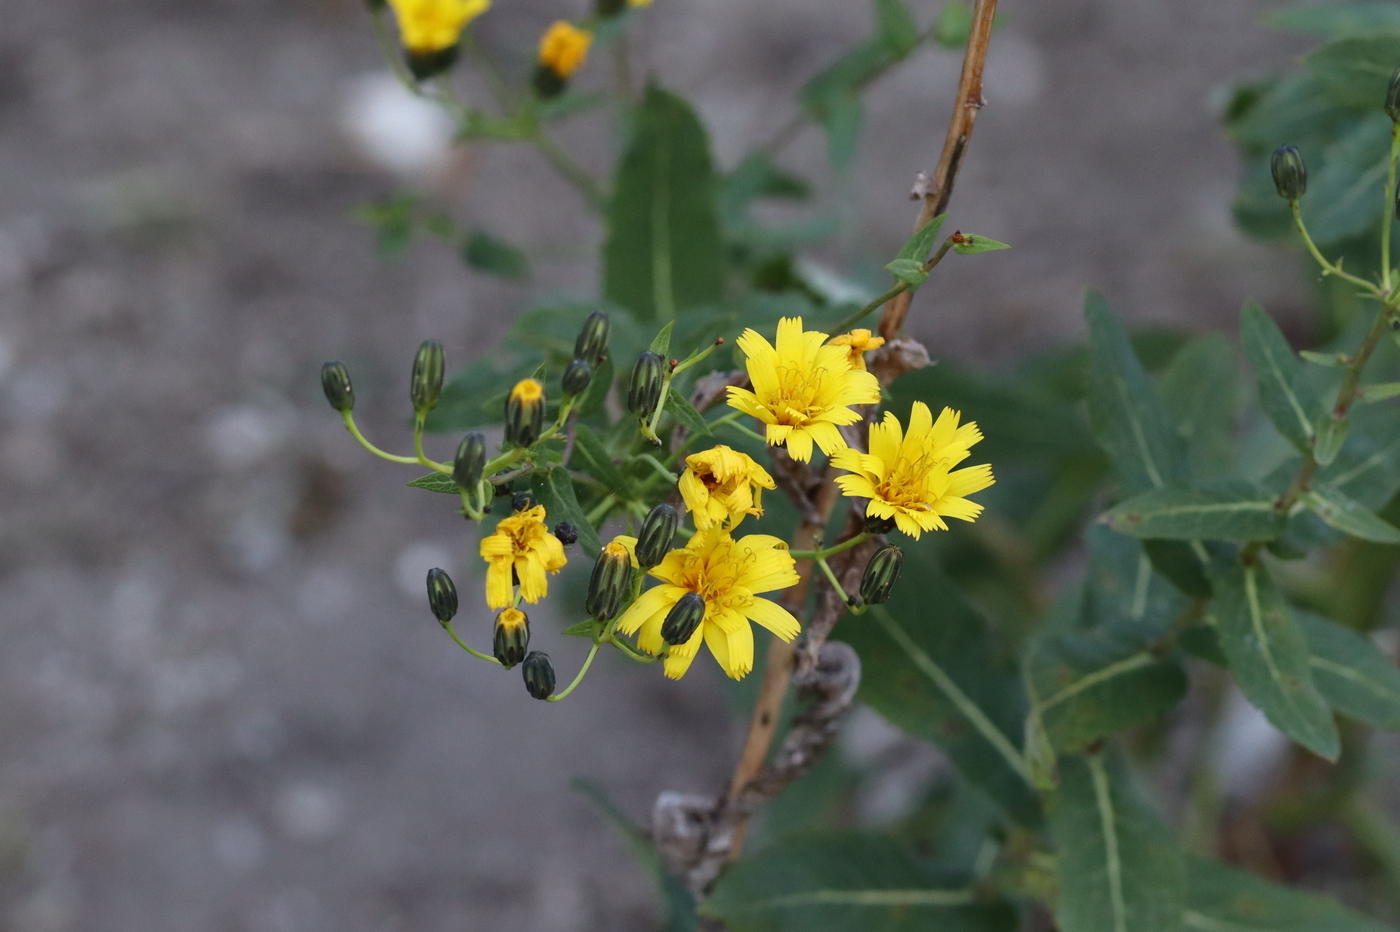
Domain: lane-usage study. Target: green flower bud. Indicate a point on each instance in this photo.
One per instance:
(881, 573)
(567, 533)
(608, 8)
(610, 582)
(683, 618)
(1290, 174)
(442, 595)
(510, 637)
(424, 65)
(539, 674)
(426, 385)
(1392, 97)
(470, 462)
(335, 382)
(592, 343)
(644, 391)
(524, 413)
(547, 82)
(577, 375)
(657, 533)
(523, 501)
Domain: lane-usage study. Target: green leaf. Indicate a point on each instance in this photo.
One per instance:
(1092, 685)
(1118, 867)
(909, 270)
(436, 482)
(1234, 510)
(971, 245)
(555, 491)
(1331, 360)
(1356, 69)
(1224, 899)
(585, 629)
(684, 412)
(1183, 562)
(1342, 195)
(754, 177)
(920, 245)
(896, 27)
(836, 881)
(661, 345)
(591, 456)
(954, 24)
(1129, 419)
(1349, 516)
(842, 118)
(1337, 19)
(1368, 469)
(393, 221)
(1126, 596)
(663, 252)
(1199, 388)
(1368, 394)
(930, 668)
(1284, 394)
(1269, 656)
(476, 395)
(486, 253)
(1352, 673)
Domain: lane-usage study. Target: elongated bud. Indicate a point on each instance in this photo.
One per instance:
(424, 65)
(522, 501)
(524, 413)
(510, 637)
(881, 573)
(470, 463)
(442, 595)
(1290, 174)
(644, 391)
(567, 533)
(335, 382)
(592, 343)
(608, 586)
(539, 674)
(577, 375)
(657, 533)
(426, 386)
(683, 618)
(1392, 97)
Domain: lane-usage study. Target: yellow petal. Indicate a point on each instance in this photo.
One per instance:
(775, 618)
(498, 587)
(655, 601)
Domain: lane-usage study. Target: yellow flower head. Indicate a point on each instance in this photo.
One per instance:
(858, 343)
(564, 47)
(728, 574)
(910, 476)
(639, 2)
(522, 550)
(720, 486)
(801, 389)
(427, 26)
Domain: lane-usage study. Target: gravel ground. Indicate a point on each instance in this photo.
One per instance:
(223, 703)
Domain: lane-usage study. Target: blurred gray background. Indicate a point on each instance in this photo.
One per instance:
(223, 703)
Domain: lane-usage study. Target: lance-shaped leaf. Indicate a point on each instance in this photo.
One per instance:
(1234, 511)
(1352, 673)
(1126, 593)
(918, 246)
(1355, 69)
(663, 251)
(436, 482)
(1283, 393)
(1119, 869)
(931, 669)
(832, 881)
(555, 491)
(1200, 391)
(1129, 419)
(1269, 656)
(1224, 899)
(1350, 516)
(591, 456)
(1342, 195)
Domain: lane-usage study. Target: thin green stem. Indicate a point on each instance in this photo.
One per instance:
(628, 650)
(349, 419)
(897, 290)
(588, 662)
(735, 425)
(823, 553)
(695, 358)
(1327, 267)
(831, 578)
(656, 464)
(602, 509)
(571, 171)
(447, 626)
(1388, 208)
(418, 446)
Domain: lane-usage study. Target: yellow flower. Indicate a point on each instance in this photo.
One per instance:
(728, 574)
(427, 26)
(910, 476)
(522, 550)
(858, 343)
(801, 389)
(720, 486)
(564, 47)
(639, 2)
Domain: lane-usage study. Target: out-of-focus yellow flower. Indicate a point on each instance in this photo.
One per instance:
(639, 2)
(858, 343)
(802, 389)
(720, 486)
(564, 47)
(427, 26)
(728, 574)
(522, 550)
(910, 477)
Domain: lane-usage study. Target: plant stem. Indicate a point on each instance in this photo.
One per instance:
(588, 662)
(418, 446)
(447, 626)
(1388, 209)
(832, 550)
(1327, 267)
(572, 172)
(894, 292)
(349, 419)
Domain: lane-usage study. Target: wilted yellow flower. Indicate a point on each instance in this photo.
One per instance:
(728, 574)
(910, 476)
(720, 486)
(564, 47)
(522, 550)
(858, 343)
(801, 389)
(427, 26)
